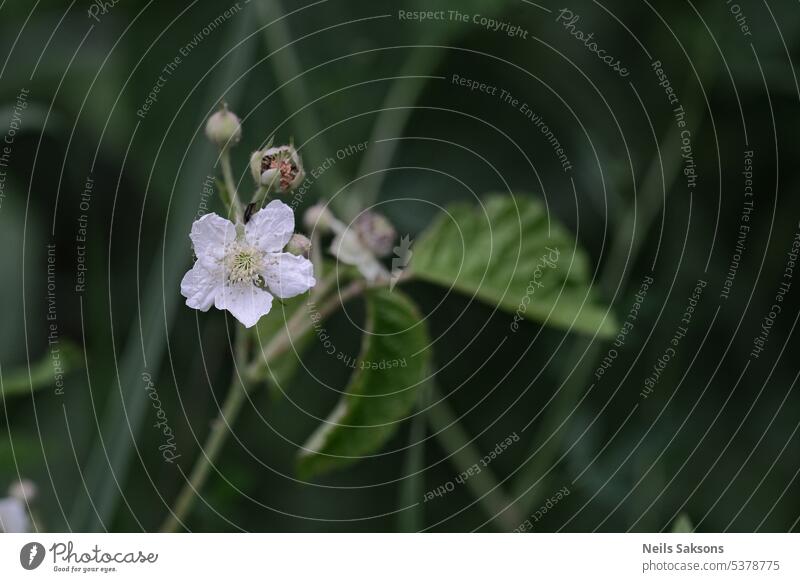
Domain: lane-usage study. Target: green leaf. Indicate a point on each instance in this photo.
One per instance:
(382, 391)
(502, 253)
(43, 373)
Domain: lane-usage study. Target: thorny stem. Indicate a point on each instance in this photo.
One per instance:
(245, 375)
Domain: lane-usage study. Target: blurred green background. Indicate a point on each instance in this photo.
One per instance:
(718, 439)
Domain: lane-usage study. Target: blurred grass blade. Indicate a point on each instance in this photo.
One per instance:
(683, 524)
(42, 374)
(624, 251)
(107, 467)
(395, 112)
(412, 488)
(463, 454)
(289, 73)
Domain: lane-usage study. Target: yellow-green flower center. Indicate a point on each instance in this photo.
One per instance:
(244, 264)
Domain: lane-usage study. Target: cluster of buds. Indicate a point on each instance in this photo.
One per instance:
(274, 168)
(277, 168)
(370, 237)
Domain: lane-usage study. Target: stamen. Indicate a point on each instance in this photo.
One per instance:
(244, 264)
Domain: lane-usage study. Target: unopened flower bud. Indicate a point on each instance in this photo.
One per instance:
(255, 165)
(281, 168)
(224, 128)
(318, 217)
(271, 179)
(299, 245)
(376, 232)
(24, 490)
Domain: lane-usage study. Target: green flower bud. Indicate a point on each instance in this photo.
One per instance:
(299, 245)
(224, 128)
(255, 165)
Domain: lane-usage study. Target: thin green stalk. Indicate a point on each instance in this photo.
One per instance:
(623, 253)
(396, 110)
(299, 324)
(107, 466)
(289, 73)
(216, 438)
(463, 455)
(245, 376)
(230, 183)
(412, 489)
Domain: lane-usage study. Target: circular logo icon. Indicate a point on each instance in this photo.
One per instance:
(31, 555)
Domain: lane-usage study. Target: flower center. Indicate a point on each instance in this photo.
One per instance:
(244, 264)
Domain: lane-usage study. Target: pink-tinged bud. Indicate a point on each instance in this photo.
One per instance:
(299, 245)
(281, 168)
(376, 232)
(24, 490)
(224, 128)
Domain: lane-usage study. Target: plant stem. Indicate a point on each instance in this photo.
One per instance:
(215, 440)
(463, 453)
(299, 324)
(245, 375)
(230, 184)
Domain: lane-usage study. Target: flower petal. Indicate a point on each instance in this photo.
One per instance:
(270, 228)
(210, 235)
(245, 301)
(201, 285)
(13, 517)
(348, 248)
(288, 275)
